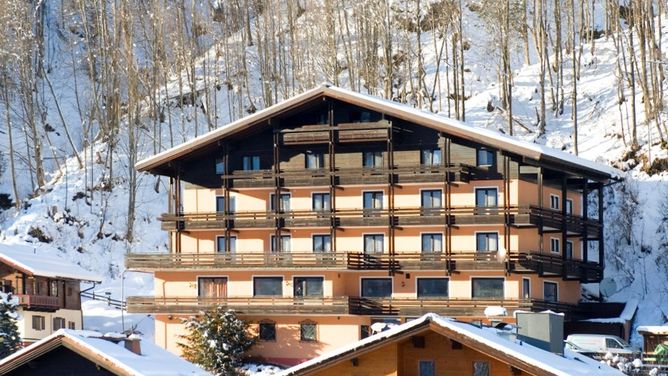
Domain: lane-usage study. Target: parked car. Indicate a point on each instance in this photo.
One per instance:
(601, 344)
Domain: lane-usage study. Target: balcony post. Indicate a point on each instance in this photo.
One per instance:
(226, 194)
(506, 209)
(332, 175)
(178, 209)
(541, 239)
(585, 216)
(564, 224)
(448, 202)
(390, 189)
(278, 244)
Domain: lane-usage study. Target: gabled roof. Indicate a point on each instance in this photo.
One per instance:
(441, 123)
(484, 339)
(38, 263)
(114, 357)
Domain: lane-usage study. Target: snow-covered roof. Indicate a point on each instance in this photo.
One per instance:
(399, 110)
(39, 263)
(653, 329)
(625, 316)
(153, 361)
(484, 339)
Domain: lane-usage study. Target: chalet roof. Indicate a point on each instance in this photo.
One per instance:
(484, 339)
(653, 329)
(441, 123)
(35, 262)
(153, 361)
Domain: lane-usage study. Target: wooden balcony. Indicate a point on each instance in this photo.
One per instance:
(39, 302)
(238, 260)
(337, 305)
(249, 306)
(570, 269)
(518, 216)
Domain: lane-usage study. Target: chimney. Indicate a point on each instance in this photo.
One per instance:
(133, 343)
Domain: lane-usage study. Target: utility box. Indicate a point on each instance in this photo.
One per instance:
(544, 330)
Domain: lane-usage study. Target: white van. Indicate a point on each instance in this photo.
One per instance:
(600, 344)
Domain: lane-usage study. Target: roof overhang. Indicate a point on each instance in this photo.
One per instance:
(529, 151)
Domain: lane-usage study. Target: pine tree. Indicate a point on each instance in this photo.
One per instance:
(10, 341)
(217, 341)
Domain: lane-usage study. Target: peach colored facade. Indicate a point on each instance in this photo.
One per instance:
(475, 226)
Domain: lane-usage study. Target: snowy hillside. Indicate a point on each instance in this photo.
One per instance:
(82, 214)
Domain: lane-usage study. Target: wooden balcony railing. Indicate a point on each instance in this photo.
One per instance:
(251, 305)
(523, 262)
(38, 302)
(338, 305)
(352, 176)
(458, 216)
(543, 264)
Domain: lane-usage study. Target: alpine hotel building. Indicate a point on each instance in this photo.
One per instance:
(333, 210)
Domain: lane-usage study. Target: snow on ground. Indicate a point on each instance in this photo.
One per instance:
(260, 369)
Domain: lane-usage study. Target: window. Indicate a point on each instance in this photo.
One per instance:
(372, 201)
(487, 288)
(7, 286)
(484, 158)
(426, 368)
(251, 163)
(430, 157)
(554, 202)
(220, 166)
(220, 204)
(430, 199)
(550, 292)
(221, 247)
(322, 243)
(569, 206)
(315, 160)
(554, 245)
(284, 246)
(480, 368)
(308, 331)
(373, 243)
(267, 286)
(267, 331)
(283, 206)
(569, 249)
(487, 241)
(372, 159)
(376, 287)
(53, 288)
(308, 287)
(320, 201)
(71, 325)
(486, 197)
(432, 243)
(432, 287)
(365, 117)
(526, 288)
(212, 287)
(38, 323)
(611, 343)
(58, 323)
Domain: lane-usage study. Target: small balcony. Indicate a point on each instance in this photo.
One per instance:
(39, 302)
(569, 269)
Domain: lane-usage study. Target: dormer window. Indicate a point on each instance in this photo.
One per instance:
(485, 158)
(220, 166)
(251, 163)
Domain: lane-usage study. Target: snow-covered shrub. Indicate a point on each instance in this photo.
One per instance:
(10, 341)
(217, 341)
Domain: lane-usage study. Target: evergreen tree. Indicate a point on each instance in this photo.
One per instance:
(10, 341)
(217, 341)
